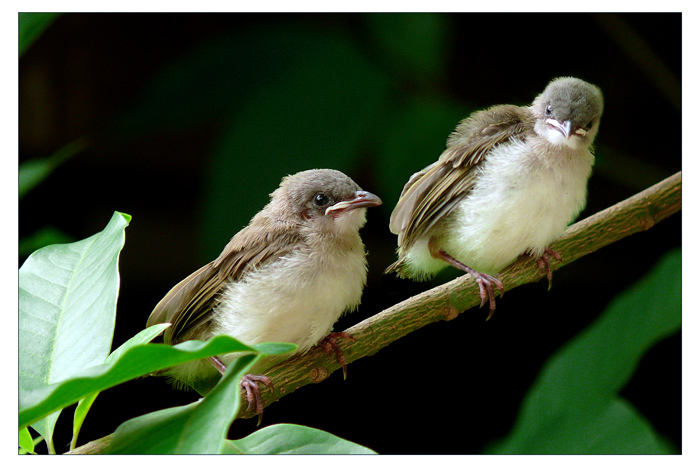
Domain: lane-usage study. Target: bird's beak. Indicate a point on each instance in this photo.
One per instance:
(563, 127)
(361, 199)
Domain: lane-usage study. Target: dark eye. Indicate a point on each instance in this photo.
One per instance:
(548, 111)
(321, 200)
(589, 125)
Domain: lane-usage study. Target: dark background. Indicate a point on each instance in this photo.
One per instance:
(192, 119)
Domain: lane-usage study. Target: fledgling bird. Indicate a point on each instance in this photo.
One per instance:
(510, 182)
(286, 277)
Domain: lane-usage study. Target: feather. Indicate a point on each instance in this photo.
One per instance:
(433, 192)
(188, 305)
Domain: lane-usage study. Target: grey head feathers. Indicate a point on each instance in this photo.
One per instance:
(570, 99)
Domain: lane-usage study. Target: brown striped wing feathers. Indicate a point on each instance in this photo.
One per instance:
(432, 193)
(188, 305)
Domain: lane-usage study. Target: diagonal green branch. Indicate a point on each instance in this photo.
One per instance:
(445, 302)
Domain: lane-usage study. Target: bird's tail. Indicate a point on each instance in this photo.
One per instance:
(403, 270)
(395, 267)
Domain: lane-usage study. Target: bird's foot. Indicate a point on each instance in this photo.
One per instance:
(485, 281)
(330, 345)
(251, 386)
(252, 392)
(543, 263)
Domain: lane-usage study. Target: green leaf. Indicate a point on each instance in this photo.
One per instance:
(274, 348)
(143, 337)
(137, 361)
(67, 307)
(316, 115)
(620, 429)
(293, 439)
(79, 415)
(33, 172)
(31, 25)
(25, 440)
(413, 43)
(26, 443)
(197, 428)
(574, 408)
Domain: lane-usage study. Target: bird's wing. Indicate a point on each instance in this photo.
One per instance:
(433, 192)
(188, 305)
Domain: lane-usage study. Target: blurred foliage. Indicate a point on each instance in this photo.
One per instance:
(32, 173)
(31, 25)
(43, 237)
(415, 44)
(574, 407)
(302, 120)
(292, 97)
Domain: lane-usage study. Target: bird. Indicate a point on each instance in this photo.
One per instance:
(510, 181)
(286, 277)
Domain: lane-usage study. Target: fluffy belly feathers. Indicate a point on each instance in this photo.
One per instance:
(522, 201)
(277, 308)
(512, 211)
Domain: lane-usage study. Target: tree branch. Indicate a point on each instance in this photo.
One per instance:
(445, 302)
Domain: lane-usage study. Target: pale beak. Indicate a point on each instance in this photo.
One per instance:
(563, 127)
(361, 199)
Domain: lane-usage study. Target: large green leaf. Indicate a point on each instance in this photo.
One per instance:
(31, 25)
(197, 428)
(137, 361)
(574, 407)
(293, 439)
(67, 307)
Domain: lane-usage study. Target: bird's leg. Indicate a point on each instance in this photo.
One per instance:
(485, 281)
(252, 391)
(543, 263)
(250, 384)
(330, 345)
(218, 364)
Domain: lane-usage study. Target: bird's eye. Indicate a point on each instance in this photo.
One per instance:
(589, 125)
(548, 111)
(321, 200)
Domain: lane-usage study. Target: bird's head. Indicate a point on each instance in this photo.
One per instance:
(568, 112)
